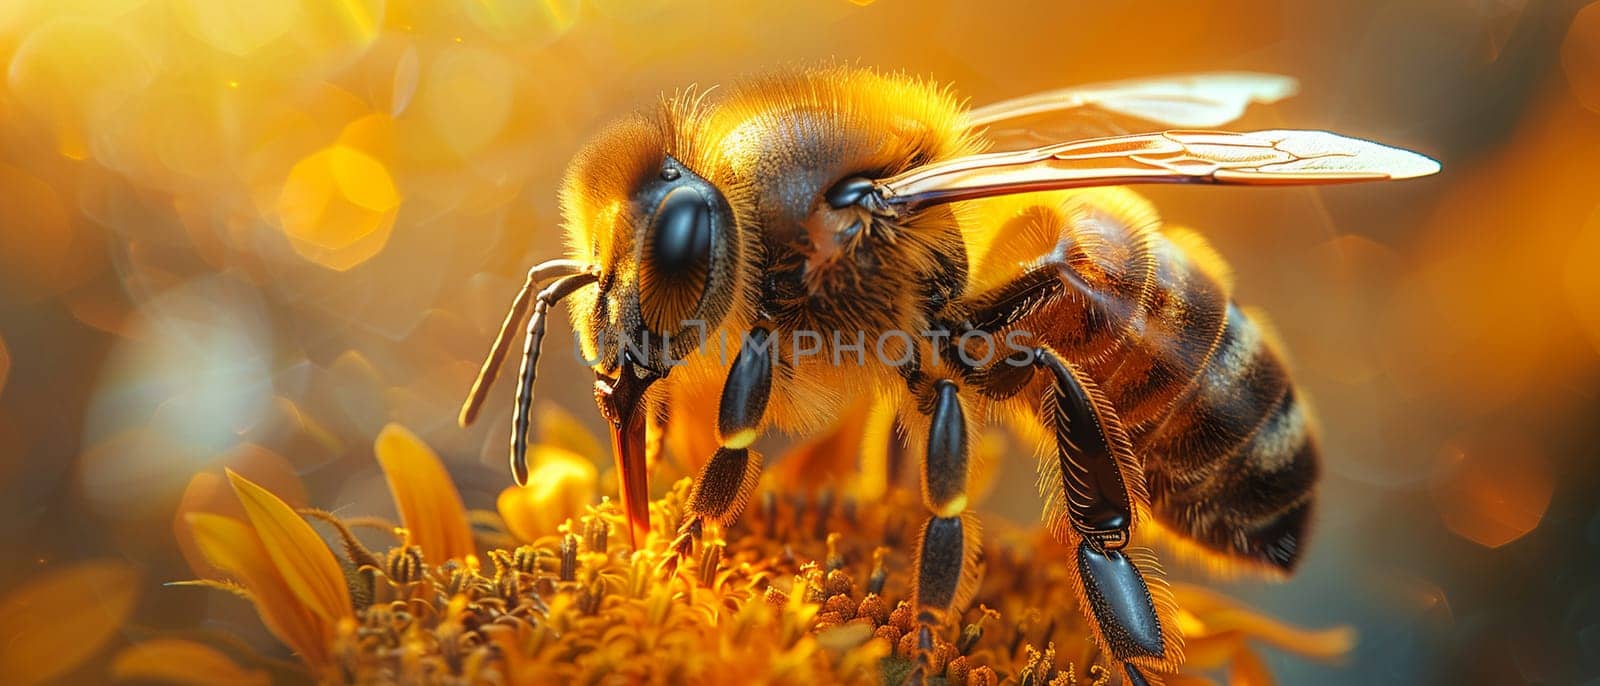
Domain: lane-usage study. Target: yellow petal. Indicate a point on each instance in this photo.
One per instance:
(1323, 644)
(62, 617)
(1222, 614)
(185, 663)
(558, 489)
(430, 508)
(1248, 670)
(1205, 653)
(233, 547)
(209, 492)
(302, 559)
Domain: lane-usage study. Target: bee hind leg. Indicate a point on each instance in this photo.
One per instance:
(730, 476)
(1120, 589)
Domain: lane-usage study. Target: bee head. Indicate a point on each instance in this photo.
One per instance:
(664, 237)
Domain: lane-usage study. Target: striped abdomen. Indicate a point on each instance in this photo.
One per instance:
(1230, 460)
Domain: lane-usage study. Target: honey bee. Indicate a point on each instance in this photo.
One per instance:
(818, 215)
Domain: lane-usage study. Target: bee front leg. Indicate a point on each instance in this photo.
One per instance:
(730, 476)
(947, 550)
(1133, 619)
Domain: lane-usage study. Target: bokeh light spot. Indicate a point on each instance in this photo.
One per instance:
(372, 134)
(529, 22)
(338, 207)
(238, 28)
(466, 98)
(73, 74)
(326, 37)
(1580, 56)
(363, 179)
(196, 366)
(362, 17)
(1493, 491)
(407, 71)
(1583, 280)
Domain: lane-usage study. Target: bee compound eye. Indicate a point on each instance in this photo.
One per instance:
(849, 192)
(683, 229)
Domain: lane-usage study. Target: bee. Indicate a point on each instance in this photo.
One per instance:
(864, 236)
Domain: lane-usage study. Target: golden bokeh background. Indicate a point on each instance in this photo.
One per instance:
(257, 232)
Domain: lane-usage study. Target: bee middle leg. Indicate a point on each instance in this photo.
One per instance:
(730, 476)
(947, 549)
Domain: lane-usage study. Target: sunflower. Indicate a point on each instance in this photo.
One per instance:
(806, 588)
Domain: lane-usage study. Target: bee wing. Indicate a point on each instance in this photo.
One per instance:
(1193, 101)
(1260, 158)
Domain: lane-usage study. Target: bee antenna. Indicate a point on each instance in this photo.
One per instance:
(561, 288)
(539, 274)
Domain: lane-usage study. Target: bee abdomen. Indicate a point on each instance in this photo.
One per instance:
(1234, 464)
(1230, 461)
